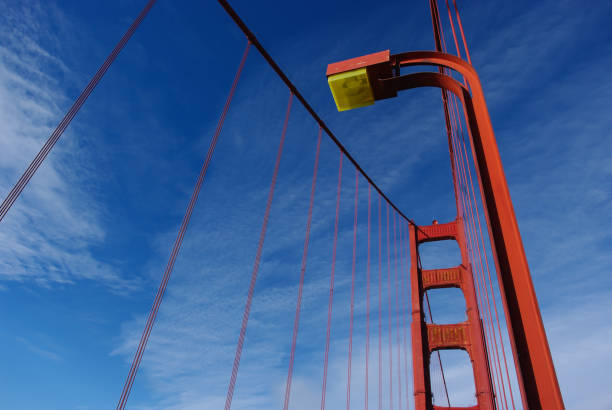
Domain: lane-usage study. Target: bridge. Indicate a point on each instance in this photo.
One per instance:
(502, 334)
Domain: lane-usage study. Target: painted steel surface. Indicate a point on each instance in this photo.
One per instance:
(429, 337)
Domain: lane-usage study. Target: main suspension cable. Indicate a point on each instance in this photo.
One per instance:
(249, 34)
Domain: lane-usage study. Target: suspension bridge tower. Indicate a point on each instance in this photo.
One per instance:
(361, 81)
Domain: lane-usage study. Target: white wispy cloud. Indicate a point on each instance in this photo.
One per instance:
(40, 351)
(48, 235)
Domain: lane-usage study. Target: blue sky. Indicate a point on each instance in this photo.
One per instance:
(83, 250)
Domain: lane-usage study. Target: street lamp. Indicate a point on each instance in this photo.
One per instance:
(354, 83)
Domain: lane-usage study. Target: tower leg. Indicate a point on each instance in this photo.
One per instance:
(427, 338)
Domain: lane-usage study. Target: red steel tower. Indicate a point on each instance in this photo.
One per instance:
(427, 338)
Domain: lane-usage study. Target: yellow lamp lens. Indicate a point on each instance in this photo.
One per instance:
(351, 89)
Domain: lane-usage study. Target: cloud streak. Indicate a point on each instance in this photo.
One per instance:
(48, 236)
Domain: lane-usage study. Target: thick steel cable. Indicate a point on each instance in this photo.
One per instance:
(390, 311)
(350, 349)
(249, 34)
(331, 286)
(367, 358)
(76, 106)
(179, 240)
(397, 318)
(379, 305)
(302, 274)
(262, 237)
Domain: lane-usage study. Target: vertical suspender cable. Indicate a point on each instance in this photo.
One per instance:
(76, 106)
(367, 358)
(467, 214)
(390, 321)
(438, 352)
(407, 298)
(379, 305)
(404, 302)
(450, 19)
(439, 40)
(350, 349)
(467, 51)
(481, 243)
(474, 197)
(477, 260)
(475, 204)
(331, 286)
(177, 243)
(482, 300)
(262, 236)
(397, 318)
(407, 290)
(302, 274)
